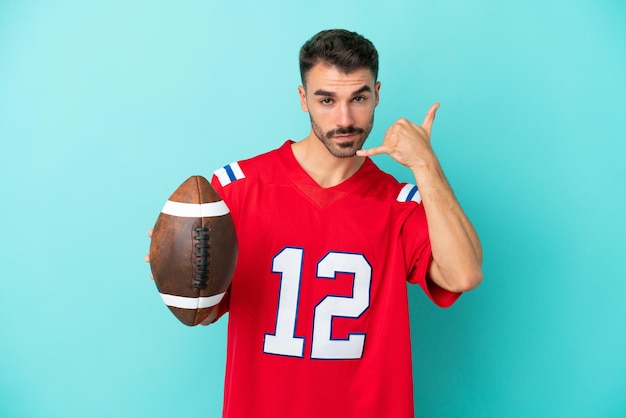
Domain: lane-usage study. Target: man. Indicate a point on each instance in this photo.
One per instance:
(318, 309)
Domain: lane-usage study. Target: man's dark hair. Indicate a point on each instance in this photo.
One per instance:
(347, 51)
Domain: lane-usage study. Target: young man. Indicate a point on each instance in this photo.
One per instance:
(318, 311)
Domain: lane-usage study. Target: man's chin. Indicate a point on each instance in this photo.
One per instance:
(344, 150)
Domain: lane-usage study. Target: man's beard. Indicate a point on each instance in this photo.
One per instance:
(344, 149)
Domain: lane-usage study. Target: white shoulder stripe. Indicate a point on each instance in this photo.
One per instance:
(191, 303)
(229, 173)
(409, 193)
(195, 210)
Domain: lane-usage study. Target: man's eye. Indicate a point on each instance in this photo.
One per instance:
(359, 99)
(326, 101)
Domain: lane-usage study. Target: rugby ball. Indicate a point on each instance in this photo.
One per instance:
(193, 251)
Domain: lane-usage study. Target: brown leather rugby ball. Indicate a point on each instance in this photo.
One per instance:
(193, 251)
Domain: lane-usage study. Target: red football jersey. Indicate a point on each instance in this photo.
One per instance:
(318, 313)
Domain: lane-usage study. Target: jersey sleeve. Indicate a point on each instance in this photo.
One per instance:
(418, 257)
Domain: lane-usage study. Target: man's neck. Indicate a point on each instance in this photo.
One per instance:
(326, 169)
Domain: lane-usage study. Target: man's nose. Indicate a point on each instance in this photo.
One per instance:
(344, 116)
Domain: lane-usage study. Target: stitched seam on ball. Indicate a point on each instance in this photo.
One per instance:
(202, 257)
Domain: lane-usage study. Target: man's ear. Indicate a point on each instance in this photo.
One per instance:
(377, 92)
(302, 94)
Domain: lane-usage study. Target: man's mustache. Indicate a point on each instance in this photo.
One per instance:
(344, 131)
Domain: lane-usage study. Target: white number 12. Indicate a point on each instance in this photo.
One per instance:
(288, 263)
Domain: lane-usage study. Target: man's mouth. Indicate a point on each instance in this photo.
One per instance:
(343, 134)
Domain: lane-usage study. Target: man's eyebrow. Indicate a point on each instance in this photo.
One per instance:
(363, 89)
(326, 93)
(321, 92)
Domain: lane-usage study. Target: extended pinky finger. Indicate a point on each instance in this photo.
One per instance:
(372, 151)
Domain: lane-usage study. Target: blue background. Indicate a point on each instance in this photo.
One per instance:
(106, 107)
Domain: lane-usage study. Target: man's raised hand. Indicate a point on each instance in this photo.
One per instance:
(406, 142)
